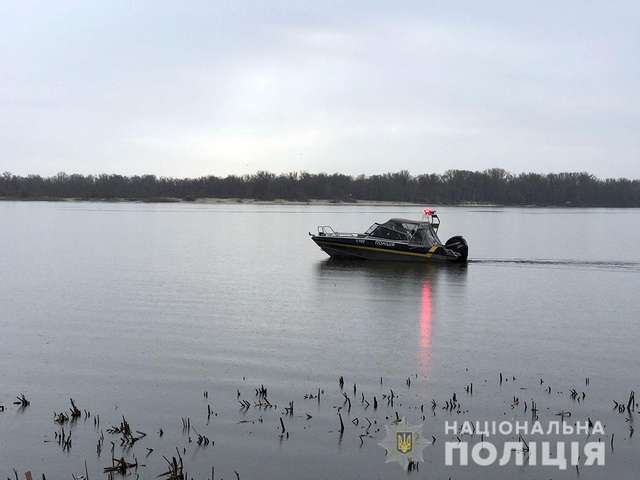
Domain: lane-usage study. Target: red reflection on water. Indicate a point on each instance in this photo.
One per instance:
(424, 347)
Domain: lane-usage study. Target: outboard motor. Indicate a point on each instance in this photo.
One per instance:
(459, 245)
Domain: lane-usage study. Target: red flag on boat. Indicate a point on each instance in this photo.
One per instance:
(428, 212)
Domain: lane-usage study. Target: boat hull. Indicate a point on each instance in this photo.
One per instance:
(366, 248)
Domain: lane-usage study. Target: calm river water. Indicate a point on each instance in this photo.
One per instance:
(137, 310)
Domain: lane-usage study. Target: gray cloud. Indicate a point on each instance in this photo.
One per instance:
(358, 87)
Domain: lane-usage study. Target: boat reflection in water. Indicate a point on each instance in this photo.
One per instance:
(397, 300)
(424, 344)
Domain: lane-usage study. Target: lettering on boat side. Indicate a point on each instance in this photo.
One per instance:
(382, 243)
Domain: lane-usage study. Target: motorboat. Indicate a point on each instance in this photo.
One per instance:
(397, 239)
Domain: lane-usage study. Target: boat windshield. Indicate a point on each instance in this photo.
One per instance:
(403, 230)
(425, 235)
(393, 230)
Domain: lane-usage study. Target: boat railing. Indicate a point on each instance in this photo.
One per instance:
(328, 231)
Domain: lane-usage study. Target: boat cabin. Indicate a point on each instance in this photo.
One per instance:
(411, 231)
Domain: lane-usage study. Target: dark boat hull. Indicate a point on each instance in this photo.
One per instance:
(367, 248)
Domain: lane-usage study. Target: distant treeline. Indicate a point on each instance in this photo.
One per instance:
(494, 186)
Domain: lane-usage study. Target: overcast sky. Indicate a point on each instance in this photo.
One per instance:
(195, 88)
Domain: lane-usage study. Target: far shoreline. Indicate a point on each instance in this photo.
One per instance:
(282, 201)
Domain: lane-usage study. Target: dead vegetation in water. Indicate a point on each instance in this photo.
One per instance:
(175, 468)
(122, 466)
(63, 439)
(74, 414)
(127, 436)
(360, 416)
(21, 401)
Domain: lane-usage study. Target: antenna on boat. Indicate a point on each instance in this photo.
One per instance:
(429, 215)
